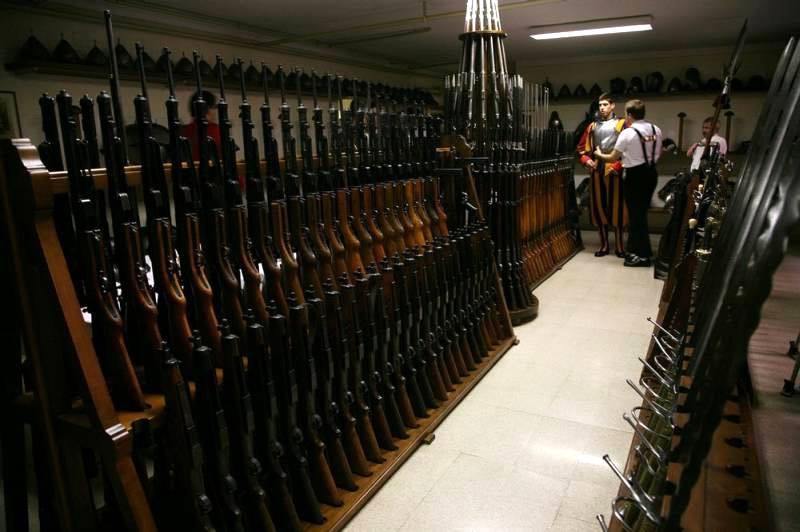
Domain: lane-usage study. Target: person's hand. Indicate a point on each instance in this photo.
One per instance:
(598, 152)
(590, 164)
(690, 151)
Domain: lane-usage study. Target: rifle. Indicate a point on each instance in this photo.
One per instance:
(115, 98)
(186, 197)
(107, 330)
(354, 333)
(337, 134)
(261, 382)
(275, 188)
(257, 202)
(379, 369)
(355, 137)
(340, 342)
(306, 259)
(182, 446)
(305, 499)
(236, 210)
(309, 177)
(391, 364)
(224, 281)
(291, 178)
(323, 153)
(239, 414)
(214, 436)
(159, 222)
(89, 128)
(373, 398)
(405, 353)
(326, 400)
(50, 148)
(427, 361)
(303, 348)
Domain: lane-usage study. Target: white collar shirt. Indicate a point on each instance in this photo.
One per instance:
(698, 151)
(630, 146)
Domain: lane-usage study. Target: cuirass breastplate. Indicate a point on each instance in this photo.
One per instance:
(605, 134)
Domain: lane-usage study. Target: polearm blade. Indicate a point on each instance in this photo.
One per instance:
(723, 100)
(114, 81)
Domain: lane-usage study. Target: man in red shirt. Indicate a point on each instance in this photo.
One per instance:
(190, 129)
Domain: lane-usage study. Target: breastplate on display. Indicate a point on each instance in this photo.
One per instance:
(605, 134)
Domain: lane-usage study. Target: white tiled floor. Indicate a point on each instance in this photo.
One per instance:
(523, 450)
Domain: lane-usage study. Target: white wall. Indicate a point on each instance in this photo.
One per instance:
(663, 110)
(15, 27)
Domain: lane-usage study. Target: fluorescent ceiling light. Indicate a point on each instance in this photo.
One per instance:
(592, 27)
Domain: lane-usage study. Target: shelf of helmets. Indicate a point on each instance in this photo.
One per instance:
(187, 79)
(678, 95)
(95, 418)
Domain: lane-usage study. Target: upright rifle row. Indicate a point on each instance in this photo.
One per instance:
(268, 334)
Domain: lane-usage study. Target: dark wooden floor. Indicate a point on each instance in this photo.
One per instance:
(777, 418)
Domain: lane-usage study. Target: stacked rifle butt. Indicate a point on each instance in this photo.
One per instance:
(522, 167)
(297, 328)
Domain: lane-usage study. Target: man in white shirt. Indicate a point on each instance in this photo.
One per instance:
(639, 147)
(697, 149)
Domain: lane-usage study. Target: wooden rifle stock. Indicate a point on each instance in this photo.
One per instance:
(306, 259)
(338, 250)
(317, 237)
(422, 213)
(393, 217)
(359, 228)
(289, 264)
(384, 226)
(350, 240)
(367, 195)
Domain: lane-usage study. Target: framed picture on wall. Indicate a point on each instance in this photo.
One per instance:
(9, 116)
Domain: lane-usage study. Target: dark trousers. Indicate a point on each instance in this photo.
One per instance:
(640, 183)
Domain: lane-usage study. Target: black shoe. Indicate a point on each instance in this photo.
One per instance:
(620, 254)
(634, 261)
(601, 253)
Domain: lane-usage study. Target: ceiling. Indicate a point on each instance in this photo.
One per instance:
(421, 35)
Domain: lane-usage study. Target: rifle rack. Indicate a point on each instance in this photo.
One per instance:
(57, 342)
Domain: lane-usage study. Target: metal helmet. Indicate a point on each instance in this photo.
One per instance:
(654, 81)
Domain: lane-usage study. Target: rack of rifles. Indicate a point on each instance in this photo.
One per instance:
(523, 168)
(693, 464)
(299, 327)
